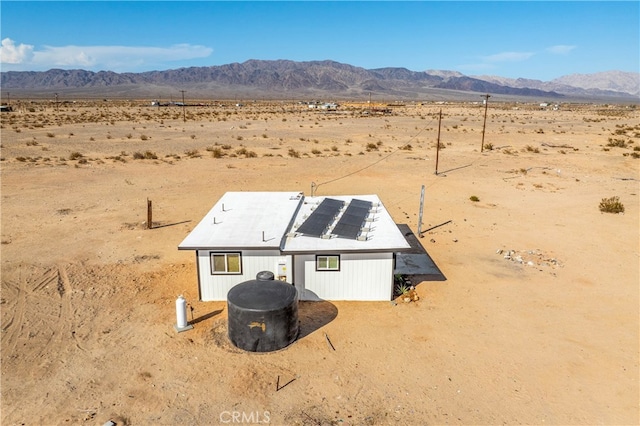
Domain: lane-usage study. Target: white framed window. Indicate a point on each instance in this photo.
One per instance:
(328, 262)
(226, 263)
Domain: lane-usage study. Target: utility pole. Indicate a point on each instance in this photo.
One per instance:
(8, 99)
(184, 117)
(486, 105)
(438, 142)
(56, 102)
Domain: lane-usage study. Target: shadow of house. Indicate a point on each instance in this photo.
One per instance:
(416, 264)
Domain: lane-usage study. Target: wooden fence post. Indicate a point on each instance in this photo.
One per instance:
(149, 215)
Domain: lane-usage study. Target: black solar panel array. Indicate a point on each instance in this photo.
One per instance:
(352, 220)
(318, 221)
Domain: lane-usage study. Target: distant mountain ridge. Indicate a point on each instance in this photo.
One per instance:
(290, 79)
(602, 83)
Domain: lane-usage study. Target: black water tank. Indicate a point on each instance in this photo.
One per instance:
(263, 314)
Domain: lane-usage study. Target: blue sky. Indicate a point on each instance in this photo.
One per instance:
(538, 40)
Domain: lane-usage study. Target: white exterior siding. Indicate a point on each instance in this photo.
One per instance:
(216, 287)
(363, 277)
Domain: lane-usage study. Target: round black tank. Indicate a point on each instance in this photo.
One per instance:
(263, 314)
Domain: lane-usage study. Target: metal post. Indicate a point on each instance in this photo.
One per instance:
(420, 213)
(486, 105)
(56, 102)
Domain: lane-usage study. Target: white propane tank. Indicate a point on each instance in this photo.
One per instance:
(181, 314)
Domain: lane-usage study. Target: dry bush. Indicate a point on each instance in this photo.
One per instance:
(611, 205)
(293, 153)
(217, 153)
(618, 143)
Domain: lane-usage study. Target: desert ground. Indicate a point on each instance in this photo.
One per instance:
(535, 319)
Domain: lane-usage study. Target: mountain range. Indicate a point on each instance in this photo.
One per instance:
(284, 79)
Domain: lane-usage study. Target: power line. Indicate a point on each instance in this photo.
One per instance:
(315, 186)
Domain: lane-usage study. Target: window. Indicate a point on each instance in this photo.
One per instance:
(328, 263)
(226, 263)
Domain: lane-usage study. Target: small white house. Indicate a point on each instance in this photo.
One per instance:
(329, 247)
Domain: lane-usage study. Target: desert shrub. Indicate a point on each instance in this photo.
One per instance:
(488, 146)
(530, 148)
(148, 155)
(192, 153)
(293, 153)
(241, 151)
(82, 161)
(217, 153)
(144, 137)
(371, 147)
(21, 159)
(316, 151)
(619, 143)
(75, 156)
(611, 205)
(474, 198)
(51, 135)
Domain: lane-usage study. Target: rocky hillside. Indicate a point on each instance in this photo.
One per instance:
(289, 79)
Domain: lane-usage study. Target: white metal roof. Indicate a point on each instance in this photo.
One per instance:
(262, 219)
(245, 220)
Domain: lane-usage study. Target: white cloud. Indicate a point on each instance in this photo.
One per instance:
(508, 57)
(10, 53)
(560, 49)
(113, 58)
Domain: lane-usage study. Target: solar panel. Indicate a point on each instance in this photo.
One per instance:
(351, 222)
(321, 217)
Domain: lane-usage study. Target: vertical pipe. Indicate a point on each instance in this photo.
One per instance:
(420, 213)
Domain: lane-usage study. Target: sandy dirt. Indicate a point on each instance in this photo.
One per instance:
(548, 335)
